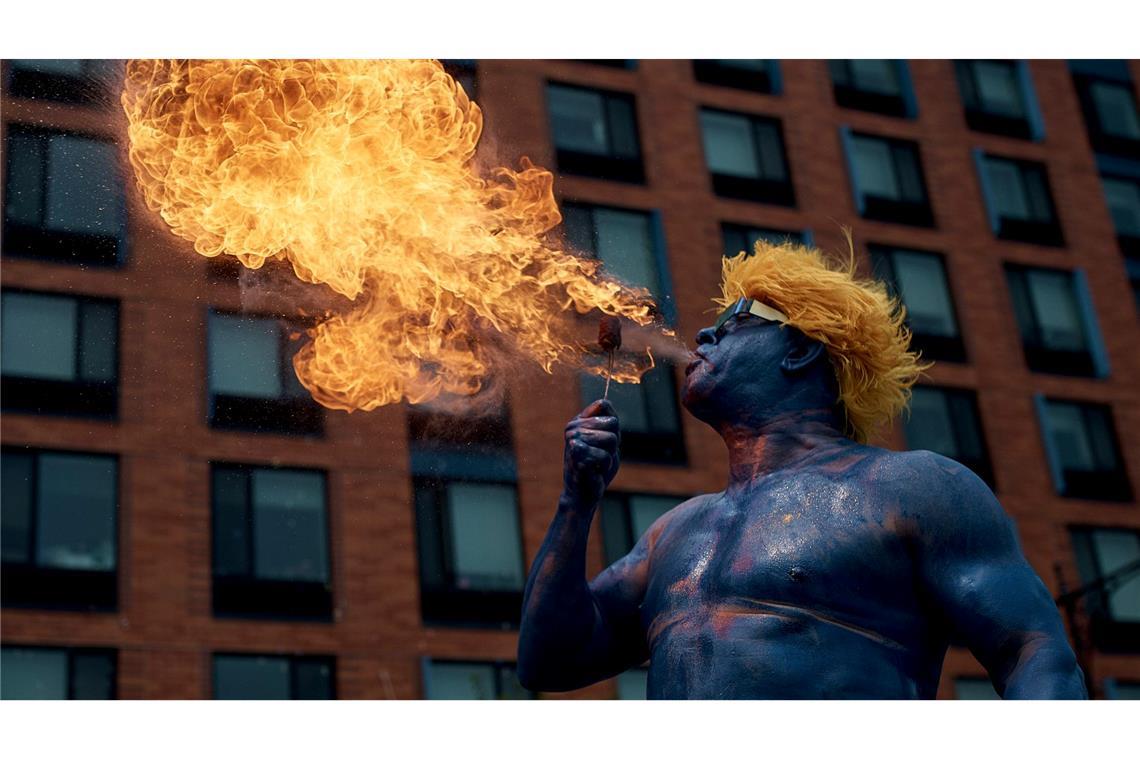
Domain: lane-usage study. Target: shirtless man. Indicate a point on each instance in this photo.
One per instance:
(826, 568)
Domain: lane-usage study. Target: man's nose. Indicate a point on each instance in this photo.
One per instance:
(707, 335)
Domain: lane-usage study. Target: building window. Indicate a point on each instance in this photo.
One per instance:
(755, 75)
(63, 198)
(998, 98)
(253, 386)
(633, 684)
(946, 421)
(1108, 101)
(626, 517)
(1018, 200)
(67, 81)
(628, 243)
(464, 72)
(1114, 689)
(887, 179)
(1123, 197)
(629, 64)
(270, 543)
(650, 418)
(882, 86)
(59, 354)
(745, 156)
(45, 673)
(742, 238)
(595, 133)
(1109, 561)
(242, 676)
(472, 680)
(974, 688)
(1083, 450)
(918, 280)
(470, 552)
(59, 529)
(1055, 335)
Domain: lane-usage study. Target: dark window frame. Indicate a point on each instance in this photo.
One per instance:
(71, 653)
(38, 243)
(745, 231)
(1096, 485)
(83, 89)
(449, 606)
(1108, 634)
(764, 82)
(882, 209)
(981, 466)
(1100, 140)
(1039, 357)
(287, 415)
(939, 347)
(1026, 126)
(499, 669)
(28, 585)
(292, 659)
(606, 167)
(758, 190)
(848, 94)
(1040, 232)
(247, 596)
(68, 398)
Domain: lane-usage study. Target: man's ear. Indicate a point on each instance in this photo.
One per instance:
(802, 351)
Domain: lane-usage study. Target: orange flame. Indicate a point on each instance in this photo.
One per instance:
(361, 175)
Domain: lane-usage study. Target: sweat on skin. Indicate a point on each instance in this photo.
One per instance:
(826, 568)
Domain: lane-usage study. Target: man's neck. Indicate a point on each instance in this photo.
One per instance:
(778, 443)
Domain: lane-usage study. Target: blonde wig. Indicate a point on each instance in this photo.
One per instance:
(859, 323)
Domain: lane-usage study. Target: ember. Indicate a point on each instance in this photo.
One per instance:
(361, 176)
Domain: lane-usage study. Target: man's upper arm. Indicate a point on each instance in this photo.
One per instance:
(973, 568)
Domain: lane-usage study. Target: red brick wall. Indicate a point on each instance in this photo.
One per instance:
(164, 630)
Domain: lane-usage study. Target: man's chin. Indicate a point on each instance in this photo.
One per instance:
(696, 396)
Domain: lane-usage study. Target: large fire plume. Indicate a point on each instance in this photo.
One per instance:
(361, 175)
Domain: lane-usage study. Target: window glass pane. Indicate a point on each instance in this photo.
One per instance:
(1098, 425)
(771, 152)
(632, 684)
(77, 502)
(628, 400)
(454, 680)
(16, 506)
(39, 334)
(1009, 197)
(1116, 109)
(83, 188)
(998, 88)
(908, 175)
(290, 541)
(33, 673)
(929, 427)
(429, 534)
(877, 76)
(873, 167)
(1116, 549)
(1022, 304)
(578, 118)
(660, 400)
(485, 537)
(72, 67)
(314, 679)
(735, 240)
(99, 330)
(1055, 307)
(251, 677)
(622, 128)
(644, 511)
(1127, 691)
(1037, 194)
(24, 194)
(729, 148)
(615, 534)
(509, 686)
(231, 522)
(922, 281)
(1124, 203)
(625, 244)
(745, 64)
(578, 223)
(1066, 426)
(967, 426)
(974, 688)
(92, 676)
(245, 356)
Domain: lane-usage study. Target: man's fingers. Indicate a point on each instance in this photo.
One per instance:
(600, 408)
(586, 454)
(594, 423)
(602, 439)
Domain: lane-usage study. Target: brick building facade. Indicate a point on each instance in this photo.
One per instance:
(982, 192)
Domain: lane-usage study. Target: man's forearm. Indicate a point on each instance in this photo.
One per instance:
(1045, 669)
(560, 618)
